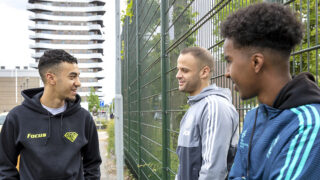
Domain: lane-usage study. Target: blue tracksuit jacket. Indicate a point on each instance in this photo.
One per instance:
(286, 141)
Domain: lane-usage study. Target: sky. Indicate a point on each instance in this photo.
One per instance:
(14, 40)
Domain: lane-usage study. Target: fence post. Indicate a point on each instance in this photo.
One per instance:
(118, 99)
(128, 83)
(138, 86)
(164, 89)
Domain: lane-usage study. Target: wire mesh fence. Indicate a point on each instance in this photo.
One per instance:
(151, 42)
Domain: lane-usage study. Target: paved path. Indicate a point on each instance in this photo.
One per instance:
(107, 164)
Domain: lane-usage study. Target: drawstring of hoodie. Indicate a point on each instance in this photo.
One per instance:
(61, 126)
(49, 129)
(250, 142)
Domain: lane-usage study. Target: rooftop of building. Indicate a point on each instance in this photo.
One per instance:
(19, 71)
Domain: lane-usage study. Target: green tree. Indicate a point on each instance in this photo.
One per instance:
(128, 12)
(306, 61)
(93, 100)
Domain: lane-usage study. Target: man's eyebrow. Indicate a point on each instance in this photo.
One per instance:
(181, 67)
(74, 74)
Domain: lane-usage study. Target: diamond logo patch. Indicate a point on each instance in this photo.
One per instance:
(71, 136)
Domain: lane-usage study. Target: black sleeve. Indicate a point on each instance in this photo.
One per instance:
(91, 154)
(8, 150)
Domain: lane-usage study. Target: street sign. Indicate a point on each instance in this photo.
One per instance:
(101, 103)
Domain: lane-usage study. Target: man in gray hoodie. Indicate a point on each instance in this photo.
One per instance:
(210, 125)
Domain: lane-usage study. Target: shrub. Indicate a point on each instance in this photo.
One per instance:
(110, 131)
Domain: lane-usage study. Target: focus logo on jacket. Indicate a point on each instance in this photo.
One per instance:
(71, 136)
(32, 136)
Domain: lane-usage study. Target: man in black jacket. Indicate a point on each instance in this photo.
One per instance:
(55, 137)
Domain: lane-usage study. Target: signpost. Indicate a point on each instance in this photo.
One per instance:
(101, 103)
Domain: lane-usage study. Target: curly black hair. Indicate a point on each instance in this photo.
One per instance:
(52, 58)
(264, 25)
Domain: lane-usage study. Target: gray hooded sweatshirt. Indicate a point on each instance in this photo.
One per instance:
(205, 135)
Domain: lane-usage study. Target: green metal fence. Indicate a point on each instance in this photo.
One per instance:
(151, 41)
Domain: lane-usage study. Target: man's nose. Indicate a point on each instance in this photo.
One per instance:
(227, 73)
(178, 75)
(77, 82)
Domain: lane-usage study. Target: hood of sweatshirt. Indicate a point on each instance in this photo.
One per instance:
(32, 101)
(211, 90)
(301, 90)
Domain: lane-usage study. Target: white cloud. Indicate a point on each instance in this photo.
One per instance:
(109, 53)
(109, 50)
(16, 4)
(14, 35)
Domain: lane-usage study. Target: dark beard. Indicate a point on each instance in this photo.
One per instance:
(71, 100)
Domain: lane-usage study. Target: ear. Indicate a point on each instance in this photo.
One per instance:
(257, 62)
(51, 78)
(205, 72)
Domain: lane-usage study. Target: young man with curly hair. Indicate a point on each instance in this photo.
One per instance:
(210, 126)
(55, 137)
(280, 138)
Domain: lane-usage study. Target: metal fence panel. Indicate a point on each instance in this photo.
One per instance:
(151, 43)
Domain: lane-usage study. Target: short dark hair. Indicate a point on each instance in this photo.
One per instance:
(264, 25)
(51, 59)
(201, 54)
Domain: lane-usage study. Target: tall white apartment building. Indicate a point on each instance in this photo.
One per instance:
(76, 27)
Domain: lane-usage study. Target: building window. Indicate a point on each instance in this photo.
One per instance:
(17, 67)
(25, 67)
(3, 67)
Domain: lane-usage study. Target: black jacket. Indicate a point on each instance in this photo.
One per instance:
(61, 147)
